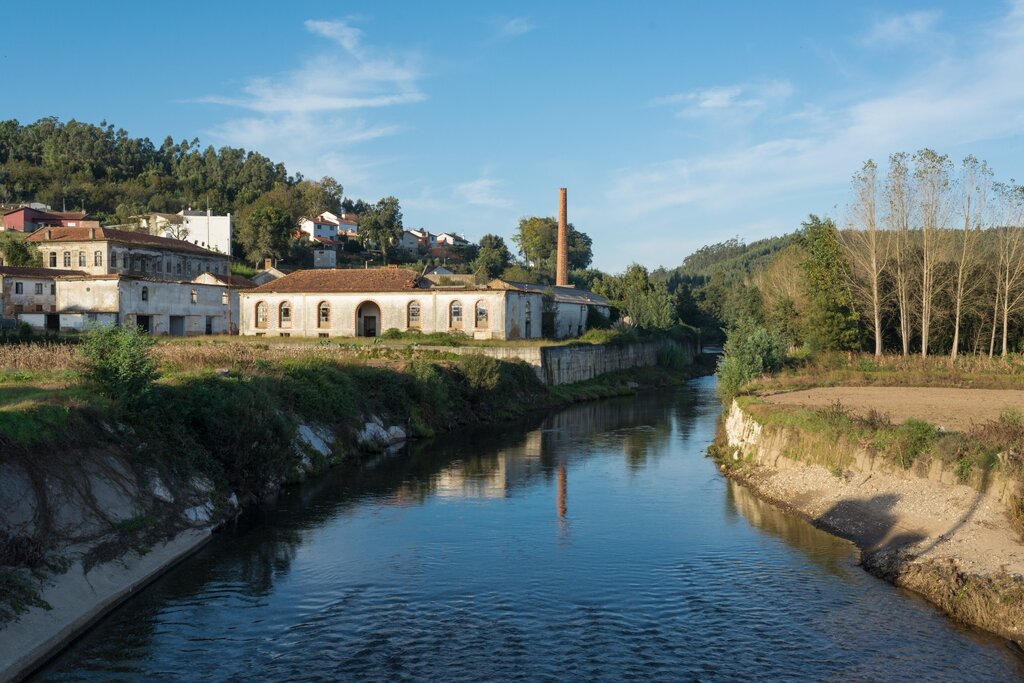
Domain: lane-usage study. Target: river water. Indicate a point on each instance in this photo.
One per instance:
(598, 545)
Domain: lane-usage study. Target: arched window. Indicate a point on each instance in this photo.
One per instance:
(455, 314)
(284, 314)
(53, 259)
(195, 296)
(414, 315)
(224, 298)
(526, 309)
(323, 314)
(81, 259)
(145, 293)
(67, 259)
(261, 314)
(97, 258)
(481, 314)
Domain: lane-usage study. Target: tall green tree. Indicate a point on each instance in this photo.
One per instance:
(830, 324)
(537, 240)
(493, 257)
(381, 225)
(17, 252)
(647, 304)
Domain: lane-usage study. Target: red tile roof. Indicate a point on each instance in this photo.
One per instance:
(63, 234)
(354, 280)
(31, 271)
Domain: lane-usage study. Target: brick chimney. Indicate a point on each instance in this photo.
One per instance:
(562, 273)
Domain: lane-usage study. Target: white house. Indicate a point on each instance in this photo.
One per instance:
(451, 239)
(29, 295)
(200, 228)
(366, 302)
(179, 309)
(330, 226)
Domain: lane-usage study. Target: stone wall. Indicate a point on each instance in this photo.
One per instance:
(573, 363)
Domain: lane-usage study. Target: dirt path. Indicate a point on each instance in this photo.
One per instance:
(951, 408)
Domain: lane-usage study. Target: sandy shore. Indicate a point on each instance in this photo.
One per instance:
(79, 600)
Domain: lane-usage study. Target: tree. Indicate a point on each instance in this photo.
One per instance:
(381, 225)
(867, 248)
(899, 199)
(975, 179)
(263, 232)
(117, 362)
(647, 304)
(537, 240)
(1011, 254)
(830, 323)
(493, 257)
(320, 196)
(931, 173)
(17, 252)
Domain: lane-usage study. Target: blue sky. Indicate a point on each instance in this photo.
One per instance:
(673, 124)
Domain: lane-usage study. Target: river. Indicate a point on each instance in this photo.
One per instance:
(599, 545)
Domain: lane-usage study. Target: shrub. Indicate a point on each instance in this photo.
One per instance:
(749, 351)
(117, 362)
(482, 372)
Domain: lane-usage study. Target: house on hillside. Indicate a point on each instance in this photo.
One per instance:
(201, 228)
(28, 219)
(366, 302)
(330, 225)
(451, 239)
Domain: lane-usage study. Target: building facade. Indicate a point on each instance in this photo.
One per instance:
(29, 295)
(157, 306)
(29, 219)
(106, 251)
(365, 303)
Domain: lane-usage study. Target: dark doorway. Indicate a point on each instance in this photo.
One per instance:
(52, 322)
(177, 326)
(143, 322)
(368, 320)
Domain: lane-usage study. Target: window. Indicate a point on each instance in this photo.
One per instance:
(284, 315)
(67, 259)
(455, 314)
(39, 288)
(81, 259)
(53, 289)
(113, 259)
(188, 267)
(195, 296)
(53, 259)
(145, 294)
(323, 315)
(526, 309)
(323, 335)
(224, 298)
(177, 267)
(481, 314)
(414, 315)
(261, 314)
(19, 288)
(97, 258)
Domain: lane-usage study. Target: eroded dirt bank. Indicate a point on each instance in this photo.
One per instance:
(952, 543)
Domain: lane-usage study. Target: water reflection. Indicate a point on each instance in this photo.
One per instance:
(462, 559)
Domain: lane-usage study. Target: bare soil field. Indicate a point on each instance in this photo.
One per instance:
(950, 408)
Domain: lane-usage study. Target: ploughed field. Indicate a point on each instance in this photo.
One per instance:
(951, 408)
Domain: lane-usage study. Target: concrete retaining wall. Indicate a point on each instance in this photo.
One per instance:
(574, 363)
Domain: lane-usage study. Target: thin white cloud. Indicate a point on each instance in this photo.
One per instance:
(745, 100)
(954, 102)
(482, 192)
(307, 117)
(513, 27)
(902, 29)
